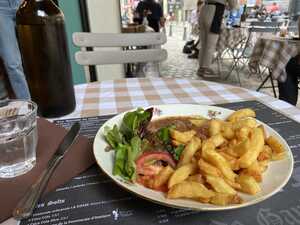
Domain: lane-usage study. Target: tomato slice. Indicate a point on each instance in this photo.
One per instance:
(145, 163)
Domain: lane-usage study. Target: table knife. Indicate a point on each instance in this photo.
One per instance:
(26, 205)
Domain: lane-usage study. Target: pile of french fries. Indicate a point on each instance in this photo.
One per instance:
(233, 159)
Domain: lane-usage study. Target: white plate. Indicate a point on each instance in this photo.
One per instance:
(274, 179)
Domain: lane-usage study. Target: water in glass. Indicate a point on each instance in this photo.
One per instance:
(18, 140)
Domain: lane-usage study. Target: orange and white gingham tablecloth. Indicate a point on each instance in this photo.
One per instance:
(274, 53)
(116, 96)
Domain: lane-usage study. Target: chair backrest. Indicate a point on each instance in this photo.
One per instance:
(264, 27)
(107, 57)
(108, 48)
(82, 39)
(115, 56)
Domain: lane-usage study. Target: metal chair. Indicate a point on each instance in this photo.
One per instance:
(102, 54)
(243, 52)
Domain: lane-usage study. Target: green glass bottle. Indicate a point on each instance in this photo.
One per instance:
(43, 45)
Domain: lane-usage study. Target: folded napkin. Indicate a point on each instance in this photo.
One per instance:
(77, 159)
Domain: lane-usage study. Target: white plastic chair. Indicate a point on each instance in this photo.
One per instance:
(102, 56)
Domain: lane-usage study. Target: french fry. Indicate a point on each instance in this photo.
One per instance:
(217, 160)
(266, 154)
(189, 189)
(225, 199)
(242, 113)
(245, 122)
(207, 146)
(214, 127)
(182, 173)
(233, 142)
(243, 133)
(255, 171)
(219, 185)
(227, 156)
(231, 159)
(218, 139)
(242, 147)
(163, 176)
(176, 143)
(256, 146)
(203, 200)
(233, 184)
(248, 184)
(231, 152)
(208, 169)
(190, 149)
(275, 145)
(227, 130)
(196, 178)
(182, 137)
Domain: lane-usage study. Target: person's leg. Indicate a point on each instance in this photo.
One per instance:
(10, 54)
(210, 45)
(202, 37)
(210, 49)
(288, 90)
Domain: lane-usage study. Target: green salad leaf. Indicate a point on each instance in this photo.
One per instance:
(125, 156)
(120, 159)
(134, 122)
(113, 136)
(164, 136)
(177, 151)
(126, 141)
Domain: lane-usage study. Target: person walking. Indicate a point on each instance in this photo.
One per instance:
(9, 49)
(152, 11)
(210, 21)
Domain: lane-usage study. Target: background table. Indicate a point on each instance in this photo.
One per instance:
(274, 53)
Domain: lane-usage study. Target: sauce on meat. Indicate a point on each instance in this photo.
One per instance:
(182, 123)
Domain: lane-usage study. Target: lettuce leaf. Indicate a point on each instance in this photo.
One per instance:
(126, 141)
(134, 123)
(125, 155)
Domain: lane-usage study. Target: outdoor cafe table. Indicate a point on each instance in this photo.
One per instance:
(116, 96)
(273, 53)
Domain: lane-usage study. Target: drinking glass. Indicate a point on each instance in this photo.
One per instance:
(18, 137)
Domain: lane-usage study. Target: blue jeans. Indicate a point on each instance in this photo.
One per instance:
(9, 49)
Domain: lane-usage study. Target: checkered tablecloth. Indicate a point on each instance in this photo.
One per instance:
(273, 53)
(116, 96)
(230, 38)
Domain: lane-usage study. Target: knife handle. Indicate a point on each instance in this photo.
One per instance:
(26, 205)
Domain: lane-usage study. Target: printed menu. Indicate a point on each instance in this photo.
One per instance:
(93, 198)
